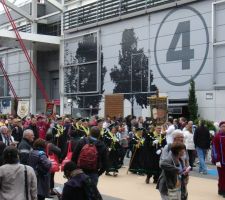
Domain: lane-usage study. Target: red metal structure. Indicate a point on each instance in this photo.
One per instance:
(8, 81)
(23, 47)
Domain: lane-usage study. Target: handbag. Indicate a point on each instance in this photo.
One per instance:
(54, 160)
(68, 156)
(175, 193)
(26, 183)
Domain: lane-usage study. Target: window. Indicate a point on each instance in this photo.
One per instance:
(81, 64)
(4, 89)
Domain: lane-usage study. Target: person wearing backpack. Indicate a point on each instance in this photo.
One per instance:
(50, 150)
(90, 155)
(79, 186)
(39, 161)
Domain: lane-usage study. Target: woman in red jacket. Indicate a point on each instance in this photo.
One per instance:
(219, 157)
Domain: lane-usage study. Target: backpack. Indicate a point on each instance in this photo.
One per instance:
(40, 168)
(88, 157)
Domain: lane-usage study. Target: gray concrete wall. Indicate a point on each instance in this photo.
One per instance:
(46, 62)
(178, 45)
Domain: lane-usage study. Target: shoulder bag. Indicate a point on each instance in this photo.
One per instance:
(54, 160)
(68, 156)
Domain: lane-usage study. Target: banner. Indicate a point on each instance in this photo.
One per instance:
(158, 106)
(23, 108)
(49, 108)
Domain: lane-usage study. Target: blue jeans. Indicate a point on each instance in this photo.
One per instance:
(201, 156)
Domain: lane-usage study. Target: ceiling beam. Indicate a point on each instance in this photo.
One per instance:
(56, 4)
(4, 35)
(19, 11)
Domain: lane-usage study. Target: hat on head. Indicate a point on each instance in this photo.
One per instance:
(78, 119)
(111, 126)
(85, 120)
(221, 123)
(100, 120)
(139, 129)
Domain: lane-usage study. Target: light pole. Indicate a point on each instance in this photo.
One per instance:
(70, 103)
(91, 107)
(131, 86)
(131, 79)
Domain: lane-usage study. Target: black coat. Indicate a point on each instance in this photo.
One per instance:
(2, 147)
(114, 150)
(53, 149)
(137, 159)
(24, 150)
(41, 164)
(17, 133)
(202, 137)
(102, 154)
(151, 158)
(80, 187)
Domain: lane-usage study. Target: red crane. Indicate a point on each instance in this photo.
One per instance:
(8, 81)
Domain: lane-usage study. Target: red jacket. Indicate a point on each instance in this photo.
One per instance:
(219, 148)
(42, 129)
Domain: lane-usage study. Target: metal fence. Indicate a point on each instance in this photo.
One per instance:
(105, 9)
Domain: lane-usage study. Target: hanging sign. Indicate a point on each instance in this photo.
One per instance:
(49, 108)
(158, 107)
(23, 108)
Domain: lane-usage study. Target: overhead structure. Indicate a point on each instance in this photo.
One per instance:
(18, 10)
(23, 47)
(56, 4)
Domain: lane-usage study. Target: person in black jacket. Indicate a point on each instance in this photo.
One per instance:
(17, 131)
(39, 161)
(52, 149)
(202, 143)
(33, 127)
(73, 141)
(79, 185)
(2, 147)
(102, 154)
(25, 146)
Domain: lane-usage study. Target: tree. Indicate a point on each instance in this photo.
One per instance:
(83, 77)
(93, 100)
(132, 75)
(192, 102)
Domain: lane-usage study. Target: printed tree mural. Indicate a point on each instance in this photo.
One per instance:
(132, 75)
(84, 76)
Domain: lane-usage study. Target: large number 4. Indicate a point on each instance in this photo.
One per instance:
(185, 53)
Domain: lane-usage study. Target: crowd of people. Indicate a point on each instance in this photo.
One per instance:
(32, 150)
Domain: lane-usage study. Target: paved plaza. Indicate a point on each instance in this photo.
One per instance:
(133, 187)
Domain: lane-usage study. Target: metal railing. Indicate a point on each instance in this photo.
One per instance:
(105, 9)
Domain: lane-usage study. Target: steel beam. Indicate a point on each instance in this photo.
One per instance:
(19, 10)
(56, 4)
